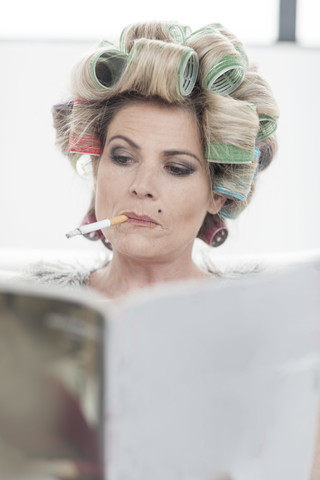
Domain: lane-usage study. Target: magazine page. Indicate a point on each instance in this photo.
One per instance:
(216, 380)
(51, 386)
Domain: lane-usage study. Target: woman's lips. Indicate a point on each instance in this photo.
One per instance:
(140, 220)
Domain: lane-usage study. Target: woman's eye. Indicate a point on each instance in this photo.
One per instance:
(180, 170)
(121, 159)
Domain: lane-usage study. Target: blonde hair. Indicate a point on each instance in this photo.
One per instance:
(207, 72)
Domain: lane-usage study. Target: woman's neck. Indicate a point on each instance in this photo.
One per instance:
(124, 275)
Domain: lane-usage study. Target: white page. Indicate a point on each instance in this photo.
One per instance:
(215, 377)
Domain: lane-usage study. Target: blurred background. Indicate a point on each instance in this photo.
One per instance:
(42, 197)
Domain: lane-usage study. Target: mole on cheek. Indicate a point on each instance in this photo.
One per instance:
(159, 211)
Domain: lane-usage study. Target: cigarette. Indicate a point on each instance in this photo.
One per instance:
(93, 227)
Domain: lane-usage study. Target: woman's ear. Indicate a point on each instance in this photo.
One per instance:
(216, 203)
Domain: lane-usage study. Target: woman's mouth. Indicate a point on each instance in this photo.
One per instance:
(140, 220)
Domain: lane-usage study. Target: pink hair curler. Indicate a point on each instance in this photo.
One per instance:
(214, 233)
(84, 144)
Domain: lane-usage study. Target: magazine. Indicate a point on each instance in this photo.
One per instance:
(212, 380)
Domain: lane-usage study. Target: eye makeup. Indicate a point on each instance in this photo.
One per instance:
(180, 169)
(120, 156)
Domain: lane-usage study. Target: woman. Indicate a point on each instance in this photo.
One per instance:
(178, 126)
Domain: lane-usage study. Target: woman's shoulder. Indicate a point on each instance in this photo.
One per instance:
(61, 274)
(230, 267)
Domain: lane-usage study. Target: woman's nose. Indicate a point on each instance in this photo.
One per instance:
(144, 184)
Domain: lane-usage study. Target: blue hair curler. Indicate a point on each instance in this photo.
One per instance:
(238, 189)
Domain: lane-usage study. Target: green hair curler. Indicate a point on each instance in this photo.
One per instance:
(122, 38)
(225, 76)
(107, 65)
(226, 153)
(206, 30)
(235, 41)
(268, 126)
(176, 64)
(188, 72)
(179, 32)
(168, 32)
(222, 64)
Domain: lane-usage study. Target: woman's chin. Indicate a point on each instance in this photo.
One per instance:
(141, 249)
(146, 253)
(146, 250)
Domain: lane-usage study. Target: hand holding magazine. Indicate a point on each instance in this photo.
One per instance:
(195, 381)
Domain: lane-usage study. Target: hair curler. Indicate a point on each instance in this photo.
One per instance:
(107, 65)
(268, 126)
(82, 140)
(238, 189)
(213, 231)
(227, 153)
(266, 157)
(234, 40)
(225, 76)
(83, 143)
(169, 69)
(98, 72)
(216, 236)
(166, 32)
(179, 32)
(61, 114)
(188, 72)
(222, 66)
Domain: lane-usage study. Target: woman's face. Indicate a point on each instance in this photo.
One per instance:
(152, 169)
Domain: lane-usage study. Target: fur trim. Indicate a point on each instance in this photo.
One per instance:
(58, 274)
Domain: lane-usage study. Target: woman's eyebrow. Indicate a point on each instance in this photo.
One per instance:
(170, 153)
(167, 153)
(126, 139)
